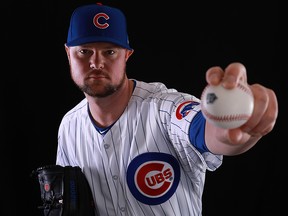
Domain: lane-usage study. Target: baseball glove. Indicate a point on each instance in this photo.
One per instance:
(64, 191)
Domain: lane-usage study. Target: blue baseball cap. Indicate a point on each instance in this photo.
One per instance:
(98, 23)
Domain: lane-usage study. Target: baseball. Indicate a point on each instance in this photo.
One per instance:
(227, 108)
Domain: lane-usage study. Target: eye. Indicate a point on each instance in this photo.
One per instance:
(110, 52)
(83, 51)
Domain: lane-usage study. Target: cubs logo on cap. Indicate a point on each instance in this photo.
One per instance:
(98, 23)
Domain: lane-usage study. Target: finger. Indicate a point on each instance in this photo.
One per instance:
(234, 73)
(265, 111)
(271, 114)
(214, 75)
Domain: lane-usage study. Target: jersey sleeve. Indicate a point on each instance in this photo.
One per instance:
(187, 134)
(180, 116)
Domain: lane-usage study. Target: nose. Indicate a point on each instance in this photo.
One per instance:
(96, 62)
(96, 67)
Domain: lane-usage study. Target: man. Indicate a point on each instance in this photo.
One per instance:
(144, 148)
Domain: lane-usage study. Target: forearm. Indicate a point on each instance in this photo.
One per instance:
(228, 142)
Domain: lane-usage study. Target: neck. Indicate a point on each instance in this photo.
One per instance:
(105, 111)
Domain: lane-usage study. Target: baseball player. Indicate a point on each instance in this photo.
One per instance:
(144, 148)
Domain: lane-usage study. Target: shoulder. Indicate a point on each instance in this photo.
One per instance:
(151, 86)
(159, 91)
(78, 111)
(147, 89)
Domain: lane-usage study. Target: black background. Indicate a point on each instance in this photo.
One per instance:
(174, 43)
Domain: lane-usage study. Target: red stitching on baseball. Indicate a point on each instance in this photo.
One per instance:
(224, 118)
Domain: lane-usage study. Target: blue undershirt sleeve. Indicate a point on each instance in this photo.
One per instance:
(197, 133)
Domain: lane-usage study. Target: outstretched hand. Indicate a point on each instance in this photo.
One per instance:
(265, 110)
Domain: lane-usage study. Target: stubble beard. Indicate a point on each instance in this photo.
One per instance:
(107, 90)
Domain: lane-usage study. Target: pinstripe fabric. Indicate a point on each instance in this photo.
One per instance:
(148, 124)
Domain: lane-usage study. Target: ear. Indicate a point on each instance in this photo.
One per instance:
(67, 49)
(128, 53)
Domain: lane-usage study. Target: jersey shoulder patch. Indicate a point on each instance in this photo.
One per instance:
(184, 108)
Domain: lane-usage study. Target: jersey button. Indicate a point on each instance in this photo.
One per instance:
(106, 146)
(115, 177)
(122, 209)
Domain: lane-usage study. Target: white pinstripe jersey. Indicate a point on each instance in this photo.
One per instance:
(145, 164)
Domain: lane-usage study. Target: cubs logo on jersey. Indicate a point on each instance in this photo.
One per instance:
(184, 109)
(153, 177)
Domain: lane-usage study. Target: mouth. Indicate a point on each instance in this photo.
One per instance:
(96, 76)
